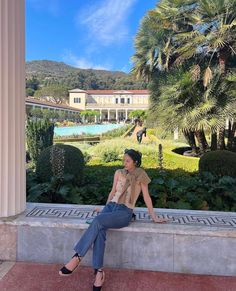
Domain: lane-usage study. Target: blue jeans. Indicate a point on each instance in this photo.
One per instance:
(113, 215)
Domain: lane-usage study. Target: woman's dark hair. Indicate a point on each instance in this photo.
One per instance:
(136, 156)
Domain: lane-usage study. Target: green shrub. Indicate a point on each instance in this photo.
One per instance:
(117, 132)
(39, 135)
(57, 190)
(110, 156)
(119, 145)
(58, 160)
(199, 192)
(219, 163)
(87, 157)
(167, 189)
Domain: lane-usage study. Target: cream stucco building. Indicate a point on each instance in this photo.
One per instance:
(112, 104)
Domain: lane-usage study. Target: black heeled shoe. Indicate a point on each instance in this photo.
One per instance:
(66, 272)
(98, 288)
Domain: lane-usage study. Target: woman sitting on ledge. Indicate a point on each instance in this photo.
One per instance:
(128, 184)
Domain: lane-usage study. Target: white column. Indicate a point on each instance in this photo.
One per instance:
(100, 114)
(116, 114)
(176, 133)
(12, 107)
(108, 114)
(126, 114)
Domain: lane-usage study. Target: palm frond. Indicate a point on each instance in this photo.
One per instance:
(207, 77)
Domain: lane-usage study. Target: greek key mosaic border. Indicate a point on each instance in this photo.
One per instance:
(142, 216)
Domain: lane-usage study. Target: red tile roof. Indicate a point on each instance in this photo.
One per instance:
(50, 104)
(117, 92)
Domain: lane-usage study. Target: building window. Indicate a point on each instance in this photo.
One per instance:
(122, 100)
(117, 100)
(128, 100)
(77, 100)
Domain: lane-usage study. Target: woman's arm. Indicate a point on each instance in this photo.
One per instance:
(148, 202)
(113, 190)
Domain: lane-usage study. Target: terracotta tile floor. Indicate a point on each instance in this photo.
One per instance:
(37, 277)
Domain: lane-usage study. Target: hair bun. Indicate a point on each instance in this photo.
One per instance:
(136, 156)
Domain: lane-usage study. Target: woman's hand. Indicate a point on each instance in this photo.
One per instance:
(148, 202)
(155, 218)
(97, 209)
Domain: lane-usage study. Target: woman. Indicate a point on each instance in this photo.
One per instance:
(127, 185)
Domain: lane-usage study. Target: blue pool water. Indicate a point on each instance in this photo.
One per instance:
(88, 129)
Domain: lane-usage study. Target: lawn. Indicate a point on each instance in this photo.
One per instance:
(149, 150)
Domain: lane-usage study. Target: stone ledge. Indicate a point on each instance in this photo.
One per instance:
(47, 233)
(8, 239)
(190, 222)
(5, 268)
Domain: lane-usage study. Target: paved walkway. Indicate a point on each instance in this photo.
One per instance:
(44, 277)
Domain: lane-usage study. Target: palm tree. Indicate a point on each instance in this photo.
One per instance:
(214, 23)
(200, 36)
(155, 43)
(183, 102)
(178, 30)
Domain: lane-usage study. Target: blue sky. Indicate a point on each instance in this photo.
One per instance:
(96, 34)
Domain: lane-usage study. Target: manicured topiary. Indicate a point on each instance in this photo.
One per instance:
(219, 163)
(39, 135)
(58, 160)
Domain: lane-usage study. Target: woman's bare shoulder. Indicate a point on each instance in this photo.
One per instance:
(120, 172)
(117, 173)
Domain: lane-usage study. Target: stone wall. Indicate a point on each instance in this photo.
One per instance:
(197, 242)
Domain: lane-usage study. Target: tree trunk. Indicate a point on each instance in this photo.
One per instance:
(213, 141)
(222, 65)
(233, 149)
(201, 138)
(221, 139)
(231, 145)
(223, 57)
(189, 135)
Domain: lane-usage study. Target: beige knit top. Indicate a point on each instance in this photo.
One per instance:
(128, 182)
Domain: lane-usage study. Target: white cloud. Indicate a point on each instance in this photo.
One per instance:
(107, 22)
(82, 63)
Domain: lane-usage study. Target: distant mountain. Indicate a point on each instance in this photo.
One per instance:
(60, 69)
(51, 72)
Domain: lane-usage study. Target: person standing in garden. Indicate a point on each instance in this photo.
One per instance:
(140, 134)
(128, 183)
